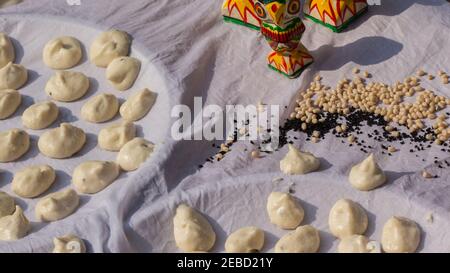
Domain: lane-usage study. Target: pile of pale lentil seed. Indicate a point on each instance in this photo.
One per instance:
(354, 103)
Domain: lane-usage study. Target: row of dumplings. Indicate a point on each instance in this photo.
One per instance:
(66, 140)
(108, 50)
(347, 221)
(14, 225)
(88, 178)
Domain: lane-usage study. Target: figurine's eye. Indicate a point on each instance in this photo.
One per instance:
(260, 11)
(294, 7)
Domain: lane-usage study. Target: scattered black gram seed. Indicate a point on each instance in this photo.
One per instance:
(354, 121)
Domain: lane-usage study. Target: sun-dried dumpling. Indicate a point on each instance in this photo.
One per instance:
(57, 206)
(245, 240)
(62, 142)
(67, 86)
(138, 105)
(122, 72)
(108, 46)
(134, 153)
(93, 176)
(68, 244)
(40, 115)
(100, 108)
(192, 231)
(13, 76)
(33, 181)
(7, 53)
(62, 53)
(113, 137)
(7, 204)
(9, 102)
(15, 226)
(13, 144)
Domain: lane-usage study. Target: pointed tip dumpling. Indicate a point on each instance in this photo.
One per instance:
(192, 231)
(115, 136)
(68, 244)
(7, 52)
(297, 162)
(14, 144)
(367, 175)
(62, 53)
(15, 226)
(122, 72)
(10, 100)
(13, 76)
(7, 204)
(138, 105)
(62, 142)
(57, 206)
(40, 115)
(108, 46)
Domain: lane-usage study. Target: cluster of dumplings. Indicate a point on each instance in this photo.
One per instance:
(109, 50)
(347, 221)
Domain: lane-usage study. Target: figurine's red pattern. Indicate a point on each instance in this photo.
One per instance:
(334, 14)
(290, 65)
(241, 12)
(323, 8)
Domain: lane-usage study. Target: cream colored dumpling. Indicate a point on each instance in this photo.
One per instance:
(354, 244)
(347, 218)
(304, 239)
(367, 175)
(13, 144)
(62, 53)
(40, 115)
(7, 53)
(13, 76)
(15, 226)
(122, 72)
(62, 142)
(192, 231)
(134, 153)
(113, 137)
(138, 105)
(93, 176)
(296, 162)
(68, 244)
(67, 86)
(108, 46)
(100, 108)
(400, 235)
(284, 211)
(57, 206)
(245, 240)
(33, 181)
(7, 204)
(9, 102)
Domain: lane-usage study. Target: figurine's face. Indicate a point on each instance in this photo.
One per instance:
(281, 23)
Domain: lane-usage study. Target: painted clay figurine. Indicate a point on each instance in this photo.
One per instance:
(282, 27)
(334, 14)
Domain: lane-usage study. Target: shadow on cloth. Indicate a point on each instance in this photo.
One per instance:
(391, 8)
(365, 51)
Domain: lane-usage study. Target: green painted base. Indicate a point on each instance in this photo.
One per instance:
(239, 22)
(293, 76)
(341, 27)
